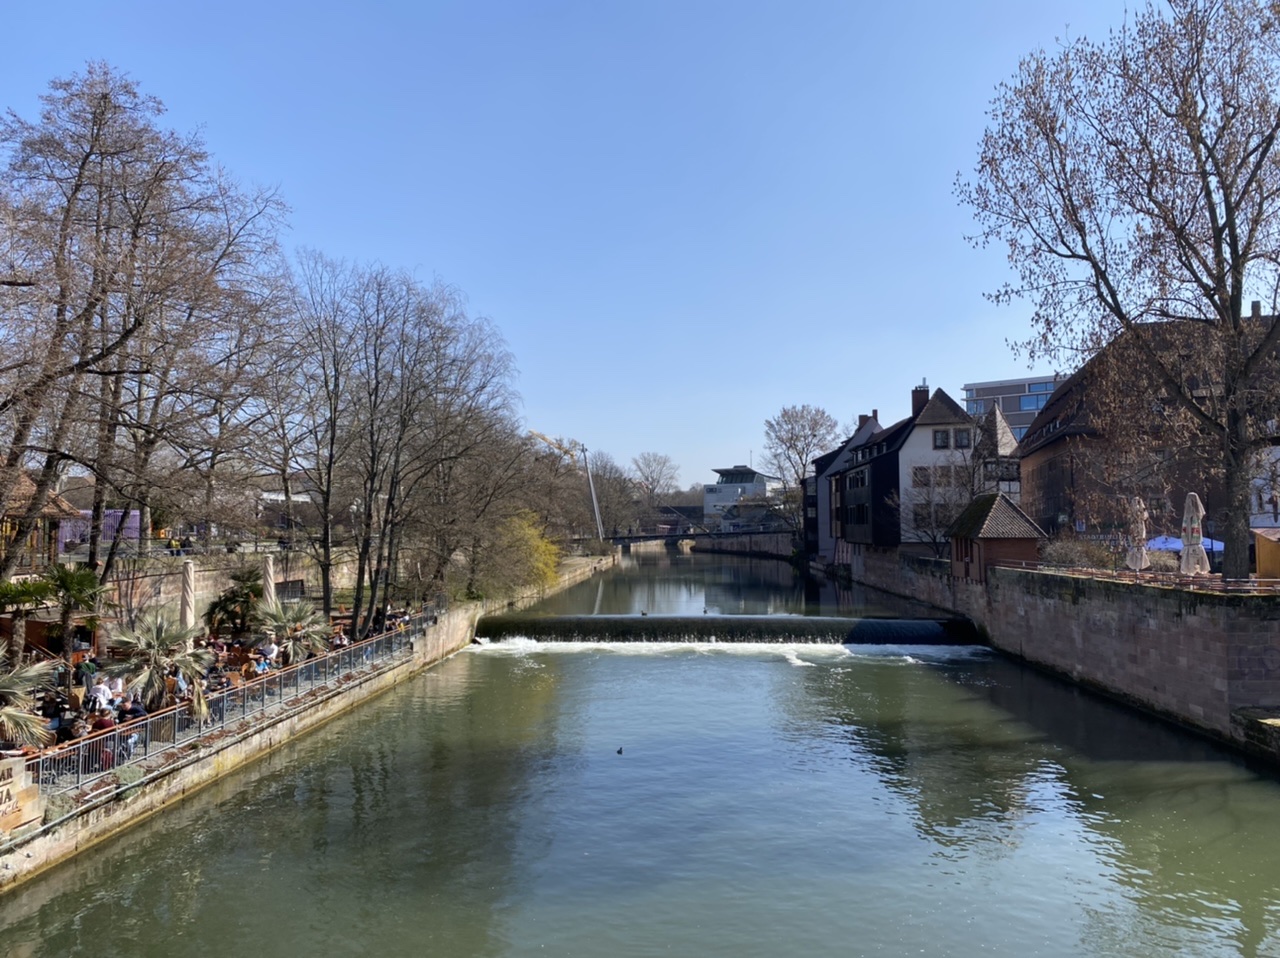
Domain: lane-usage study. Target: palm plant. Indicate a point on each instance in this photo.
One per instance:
(18, 684)
(298, 626)
(22, 599)
(155, 648)
(73, 587)
(233, 609)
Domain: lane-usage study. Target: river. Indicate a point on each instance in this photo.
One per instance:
(586, 799)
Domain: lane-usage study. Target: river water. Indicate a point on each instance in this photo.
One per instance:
(768, 800)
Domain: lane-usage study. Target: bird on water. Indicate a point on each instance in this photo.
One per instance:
(619, 749)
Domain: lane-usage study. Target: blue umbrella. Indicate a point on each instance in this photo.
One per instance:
(1170, 544)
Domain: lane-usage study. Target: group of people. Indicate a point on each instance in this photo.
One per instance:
(250, 661)
(102, 701)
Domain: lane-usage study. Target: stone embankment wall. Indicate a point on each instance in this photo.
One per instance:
(776, 544)
(157, 580)
(1205, 659)
(25, 855)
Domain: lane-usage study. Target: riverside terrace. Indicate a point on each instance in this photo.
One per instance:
(104, 764)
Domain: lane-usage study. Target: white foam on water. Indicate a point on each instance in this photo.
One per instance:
(792, 655)
(918, 654)
(799, 654)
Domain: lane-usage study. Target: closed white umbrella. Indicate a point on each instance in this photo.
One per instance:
(1136, 559)
(268, 580)
(1194, 560)
(187, 606)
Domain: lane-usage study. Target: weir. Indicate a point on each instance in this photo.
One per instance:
(729, 628)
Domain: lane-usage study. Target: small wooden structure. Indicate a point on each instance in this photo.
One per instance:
(991, 530)
(1266, 543)
(41, 547)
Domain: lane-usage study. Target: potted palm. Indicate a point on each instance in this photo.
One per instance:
(18, 685)
(298, 627)
(156, 648)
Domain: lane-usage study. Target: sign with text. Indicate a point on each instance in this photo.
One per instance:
(20, 801)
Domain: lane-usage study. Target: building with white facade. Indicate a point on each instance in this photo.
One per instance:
(735, 484)
(938, 471)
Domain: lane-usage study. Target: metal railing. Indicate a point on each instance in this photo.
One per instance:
(1170, 580)
(91, 764)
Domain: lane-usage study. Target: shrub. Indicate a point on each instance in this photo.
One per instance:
(1079, 553)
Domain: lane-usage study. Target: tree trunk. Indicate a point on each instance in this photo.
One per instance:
(1235, 534)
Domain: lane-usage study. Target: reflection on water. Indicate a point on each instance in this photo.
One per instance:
(795, 800)
(674, 584)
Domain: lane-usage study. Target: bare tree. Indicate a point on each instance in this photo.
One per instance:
(794, 438)
(142, 277)
(657, 475)
(97, 208)
(620, 500)
(1135, 184)
(935, 496)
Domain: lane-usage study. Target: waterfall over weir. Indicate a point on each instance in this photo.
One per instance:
(728, 628)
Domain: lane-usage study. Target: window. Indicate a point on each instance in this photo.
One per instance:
(942, 439)
(1032, 401)
(861, 514)
(921, 477)
(975, 407)
(1040, 387)
(962, 438)
(857, 479)
(921, 515)
(1019, 432)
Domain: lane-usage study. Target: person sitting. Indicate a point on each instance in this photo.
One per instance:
(51, 710)
(80, 726)
(131, 709)
(103, 754)
(270, 649)
(263, 665)
(100, 694)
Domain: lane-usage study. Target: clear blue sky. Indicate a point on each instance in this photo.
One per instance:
(683, 215)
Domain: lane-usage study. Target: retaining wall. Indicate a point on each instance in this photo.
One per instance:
(773, 544)
(42, 847)
(1205, 659)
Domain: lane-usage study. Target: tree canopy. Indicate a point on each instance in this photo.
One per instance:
(1134, 183)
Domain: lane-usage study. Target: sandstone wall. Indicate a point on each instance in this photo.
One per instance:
(1196, 657)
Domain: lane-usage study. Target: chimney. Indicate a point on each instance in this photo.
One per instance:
(1256, 309)
(875, 414)
(862, 419)
(919, 398)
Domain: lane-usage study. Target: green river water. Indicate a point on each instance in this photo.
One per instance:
(769, 800)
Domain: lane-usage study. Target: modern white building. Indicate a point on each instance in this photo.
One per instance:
(735, 484)
(1019, 399)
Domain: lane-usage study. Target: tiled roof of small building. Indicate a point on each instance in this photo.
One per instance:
(55, 506)
(994, 516)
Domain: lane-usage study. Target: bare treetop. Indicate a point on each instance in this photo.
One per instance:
(1135, 182)
(657, 475)
(794, 438)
